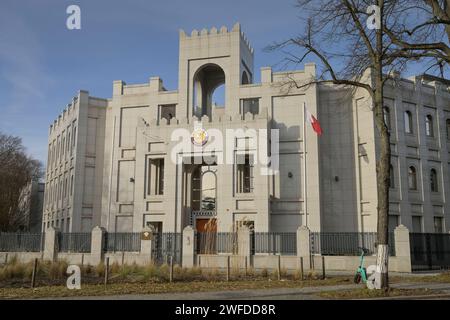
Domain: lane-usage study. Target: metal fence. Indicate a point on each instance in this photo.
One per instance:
(122, 241)
(283, 243)
(167, 244)
(216, 242)
(347, 243)
(21, 242)
(74, 242)
(429, 251)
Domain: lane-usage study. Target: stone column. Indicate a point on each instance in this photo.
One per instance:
(147, 240)
(50, 249)
(188, 259)
(244, 243)
(402, 249)
(303, 245)
(97, 239)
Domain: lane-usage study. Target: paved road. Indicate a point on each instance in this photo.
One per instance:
(269, 294)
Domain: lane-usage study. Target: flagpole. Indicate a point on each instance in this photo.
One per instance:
(305, 201)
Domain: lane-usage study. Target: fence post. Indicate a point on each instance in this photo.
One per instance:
(188, 244)
(244, 242)
(147, 242)
(33, 275)
(303, 244)
(402, 249)
(50, 250)
(302, 277)
(106, 271)
(171, 269)
(97, 238)
(228, 268)
(323, 268)
(279, 268)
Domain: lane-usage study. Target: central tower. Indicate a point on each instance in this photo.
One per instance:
(208, 60)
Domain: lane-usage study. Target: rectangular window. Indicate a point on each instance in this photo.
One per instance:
(167, 112)
(416, 224)
(244, 173)
(250, 105)
(155, 177)
(438, 225)
(393, 223)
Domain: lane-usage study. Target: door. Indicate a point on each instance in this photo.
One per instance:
(206, 235)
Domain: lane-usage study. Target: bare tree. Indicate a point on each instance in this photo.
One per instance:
(17, 169)
(422, 30)
(355, 45)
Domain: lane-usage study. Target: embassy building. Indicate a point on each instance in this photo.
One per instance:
(153, 157)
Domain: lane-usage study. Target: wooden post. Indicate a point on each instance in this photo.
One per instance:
(106, 271)
(279, 267)
(228, 268)
(301, 269)
(33, 275)
(323, 268)
(245, 265)
(171, 269)
(6, 258)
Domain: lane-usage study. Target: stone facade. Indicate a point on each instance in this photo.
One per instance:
(110, 160)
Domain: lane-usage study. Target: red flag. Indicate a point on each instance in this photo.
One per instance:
(314, 122)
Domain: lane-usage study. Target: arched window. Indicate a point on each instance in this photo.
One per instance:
(412, 178)
(387, 117)
(448, 129)
(208, 191)
(433, 181)
(408, 122)
(429, 126)
(391, 177)
(245, 78)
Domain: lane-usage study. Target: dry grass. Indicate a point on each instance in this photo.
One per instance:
(158, 287)
(365, 293)
(51, 279)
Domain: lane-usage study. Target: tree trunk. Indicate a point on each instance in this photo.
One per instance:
(383, 177)
(383, 165)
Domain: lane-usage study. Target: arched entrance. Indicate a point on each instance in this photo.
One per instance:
(209, 90)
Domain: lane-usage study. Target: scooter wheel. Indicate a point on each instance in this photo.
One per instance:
(357, 278)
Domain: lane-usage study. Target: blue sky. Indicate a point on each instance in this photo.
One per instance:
(43, 64)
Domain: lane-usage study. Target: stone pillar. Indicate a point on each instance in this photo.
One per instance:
(304, 246)
(402, 249)
(147, 240)
(97, 239)
(188, 259)
(50, 249)
(244, 242)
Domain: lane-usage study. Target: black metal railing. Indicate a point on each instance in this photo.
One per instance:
(74, 242)
(21, 242)
(347, 243)
(283, 243)
(167, 244)
(216, 242)
(122, 241)
(429, 251)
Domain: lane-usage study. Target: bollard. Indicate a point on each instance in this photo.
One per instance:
(228, 268)
(279, 268)
(6, 259)
(106, 271)
(33, 275)
(171, 269)
(301, 269)
(323, 268)
(82, 260)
